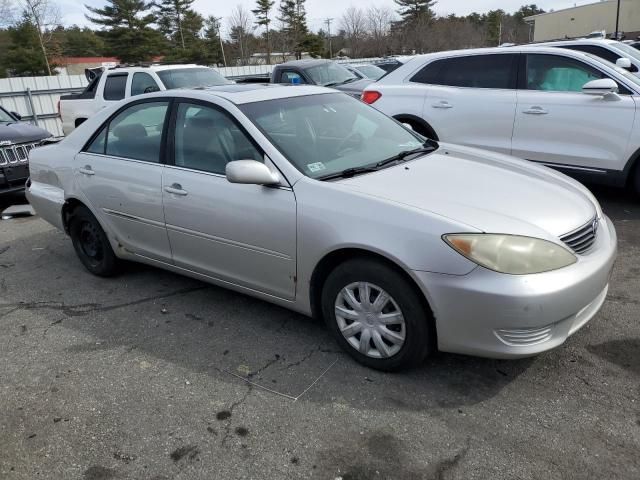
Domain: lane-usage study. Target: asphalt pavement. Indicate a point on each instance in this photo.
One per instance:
(150, 375)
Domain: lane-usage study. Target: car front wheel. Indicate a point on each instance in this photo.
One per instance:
(91, 243)
(376, 315)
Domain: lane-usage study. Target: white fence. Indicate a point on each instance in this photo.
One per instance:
(36, 98)
(250, 70)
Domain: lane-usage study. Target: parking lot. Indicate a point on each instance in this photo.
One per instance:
(143, 377)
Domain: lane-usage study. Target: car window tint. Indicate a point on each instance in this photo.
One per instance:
(114, 87)
(476, 71)
(595, 50)
(137, 132)
(207, 139)
(98, 143)
(558, 74)
(143, 83)
(291, 77)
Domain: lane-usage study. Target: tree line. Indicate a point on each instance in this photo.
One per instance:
(32, 38)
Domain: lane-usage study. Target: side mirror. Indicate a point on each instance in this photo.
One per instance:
(623, 62)
(250, 172)
(17, 115)
(601, 87)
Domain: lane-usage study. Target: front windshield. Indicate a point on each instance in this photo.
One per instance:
(620, 71)
(191, 78)
(371, 71)
(330, 73)
(628, 51)
(5, 117)
(326, 134)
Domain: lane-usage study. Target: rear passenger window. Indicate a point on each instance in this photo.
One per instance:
(114, 87)
(136, 132)
(477, 71)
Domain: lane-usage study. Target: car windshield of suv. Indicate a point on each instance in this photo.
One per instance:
(621, 71)
(628, 51)
(5, 117)
(322, 135)
(191, 78)
(329, 74)
(371, 71)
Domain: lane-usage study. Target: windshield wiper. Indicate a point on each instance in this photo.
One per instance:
(348, 173)
(428, 147)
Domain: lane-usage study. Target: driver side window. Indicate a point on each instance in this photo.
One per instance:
(207, 139)
(554, 73)
(143, 83)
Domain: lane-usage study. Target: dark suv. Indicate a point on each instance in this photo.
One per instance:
(16, 140)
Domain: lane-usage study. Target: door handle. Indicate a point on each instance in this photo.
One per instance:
(535, 111)
(175, 189)
(86, 170)
(442, 104)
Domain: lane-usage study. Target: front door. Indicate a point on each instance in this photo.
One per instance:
(557, 124)
(120, 174)
(242, 234)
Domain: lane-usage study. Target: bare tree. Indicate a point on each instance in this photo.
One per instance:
(240, 25)
(45, 16)
(354, 24)
(378, 23)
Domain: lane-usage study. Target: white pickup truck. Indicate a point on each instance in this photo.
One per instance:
(109, 86)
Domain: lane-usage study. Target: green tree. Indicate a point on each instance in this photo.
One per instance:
(293, 16)
(127, 31)
(415, 10)
(24, 54)
(79, 42)
(262, 11)
(171, 18)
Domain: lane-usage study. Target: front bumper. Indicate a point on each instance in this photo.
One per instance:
(490, 314)
(13, 178)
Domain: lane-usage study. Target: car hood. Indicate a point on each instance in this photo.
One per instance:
(486, 191)
(354, 87)
(21, 133)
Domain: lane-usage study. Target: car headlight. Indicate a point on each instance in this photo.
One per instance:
(512, 254)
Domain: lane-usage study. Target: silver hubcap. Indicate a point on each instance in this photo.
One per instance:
(370, 320)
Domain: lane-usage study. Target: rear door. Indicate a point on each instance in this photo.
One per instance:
(559, 125)
(471, 100)
(120, 174)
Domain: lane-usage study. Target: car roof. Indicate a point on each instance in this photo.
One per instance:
(256, 92)
(155, 68)
(593, 41)
(307, 62)
(481, 51)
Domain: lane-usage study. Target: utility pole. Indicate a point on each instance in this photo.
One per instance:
(618, 21)
(218, 23)
(328, 22)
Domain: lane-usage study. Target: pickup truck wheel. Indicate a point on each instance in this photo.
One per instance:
(91, 243)
(376, 315)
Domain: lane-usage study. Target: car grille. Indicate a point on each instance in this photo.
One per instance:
(14, 154)
(581, 240)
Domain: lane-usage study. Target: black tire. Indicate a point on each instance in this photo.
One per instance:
(419, 128)
(419, 325)
(91, 243)
(635, 180)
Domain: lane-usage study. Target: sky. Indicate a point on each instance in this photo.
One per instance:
(317, 10)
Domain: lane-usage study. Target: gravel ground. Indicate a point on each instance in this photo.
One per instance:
(138, 377)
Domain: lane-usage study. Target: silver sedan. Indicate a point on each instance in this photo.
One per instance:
(312, 200)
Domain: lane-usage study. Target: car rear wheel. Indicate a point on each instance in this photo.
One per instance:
(91, 243)
(377, 315)
(635, 180)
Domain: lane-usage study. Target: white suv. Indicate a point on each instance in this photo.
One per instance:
(562, 108)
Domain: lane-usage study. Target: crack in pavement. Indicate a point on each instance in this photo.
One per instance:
(82, 309)
(234, 405)
(303, 359)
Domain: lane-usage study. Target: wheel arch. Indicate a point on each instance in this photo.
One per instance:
(409, 118)
(336, 257)
(632, 168)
